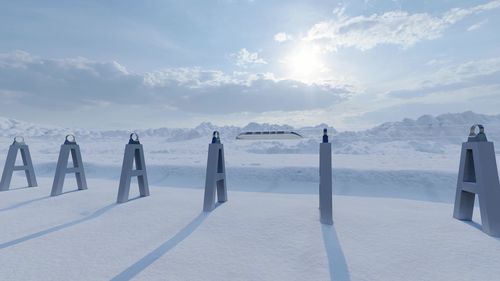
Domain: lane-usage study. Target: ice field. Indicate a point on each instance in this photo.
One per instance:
(392, 208)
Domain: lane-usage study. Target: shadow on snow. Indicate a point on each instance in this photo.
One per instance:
(336, 260)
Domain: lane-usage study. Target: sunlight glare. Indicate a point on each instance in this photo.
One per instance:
(304, 63)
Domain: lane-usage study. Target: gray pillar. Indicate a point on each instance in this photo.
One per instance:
(10, 164)
(69, 146)
(133, 152)
(325, 180)
(216, 174)
(478, 175)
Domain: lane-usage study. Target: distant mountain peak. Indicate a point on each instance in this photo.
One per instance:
(452, 126)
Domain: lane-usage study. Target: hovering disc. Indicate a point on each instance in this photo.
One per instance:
(269, 135)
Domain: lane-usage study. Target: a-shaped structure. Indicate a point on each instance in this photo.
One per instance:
(10, 164)
(134, 152)
(325, 180)
(69, 146)
(216, 174)
(478, 174)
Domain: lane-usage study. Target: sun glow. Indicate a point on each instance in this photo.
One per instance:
(304, 63)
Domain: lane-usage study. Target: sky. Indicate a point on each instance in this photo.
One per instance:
(144, 64)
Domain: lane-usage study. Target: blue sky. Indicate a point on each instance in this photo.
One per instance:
(351, 64)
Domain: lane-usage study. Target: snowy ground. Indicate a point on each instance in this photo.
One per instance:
(83, 235)
(395, 173)
(394, 187)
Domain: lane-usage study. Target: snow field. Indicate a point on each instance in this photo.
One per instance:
(84, 235)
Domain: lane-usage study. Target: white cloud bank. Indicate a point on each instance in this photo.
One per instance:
(244, 58)
(61, 84)
(476, 25)
(394, 27)
(282, 37)
(454, 78)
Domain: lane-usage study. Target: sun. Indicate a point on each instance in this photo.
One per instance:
(304, 63)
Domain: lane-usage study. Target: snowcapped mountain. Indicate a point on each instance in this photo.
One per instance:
(12, 127)
(431, 134)
(426, 134)
(445, 128)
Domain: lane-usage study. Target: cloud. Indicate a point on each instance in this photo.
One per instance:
(51, 83)
(211, 92)
(282, 37)
(455, 77)
(339, 11)
(476, 25)
(416, 109)
(394, 27)
(66, 84)
(244, 58)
